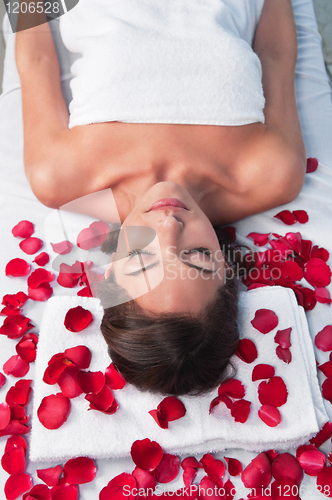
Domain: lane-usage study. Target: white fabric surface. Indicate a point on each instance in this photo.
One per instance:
(17, 202)
(98, 435)
(169, 61)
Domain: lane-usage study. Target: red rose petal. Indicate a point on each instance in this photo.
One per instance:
(102, 401)
(214, 468)
(51, 475)
(323, 339)
(87, 240)
(284, 354)
(208, 490)
(14, 427)
(23, 229)
(283, 486)
(2, 380)
(262, 371)
(85, 292)
(113, 378)
(282, 337)
(168, 468)
(312, 461)
(273, 393)
(265, 320)
(317, 272)
(80, 355)
(146, 454)
(286, 464)
(324, 481)
(258, 473)
(188, 476)
(259, 239)
(39, 277)
(16, 366)
(91, 382)
(323, 295)
(119, 488)
(42, 259)
(312, 164)
(234, 466)
(42, 293)
(221, 399)
(80, 470)
(4, 415)
(68, 382)
(62, 248)
(144, 479)
(15, 326)
(66, 277)
(320, 253)
(19, 393)
(155, 414)
(309, 299)
(323, 435)
(171, 408)
(13, 460)
(246, 350)
(16, 485)
(240, 410)
(38, 492)
(327, 389)
(286, 217)
(301, 215)
(17, 267)
(292, 270)
(232, 388)
(326, 368)
(15, 440)
(53, 411)
(26, 347)
(190, 462)
(65, 492)
(77, 319)
(31, 245)
(269, 415)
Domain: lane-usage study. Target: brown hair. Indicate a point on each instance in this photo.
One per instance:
(171, 353)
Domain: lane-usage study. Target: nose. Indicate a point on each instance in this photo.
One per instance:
(169, 228)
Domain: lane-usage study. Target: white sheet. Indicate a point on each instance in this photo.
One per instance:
(17, 202)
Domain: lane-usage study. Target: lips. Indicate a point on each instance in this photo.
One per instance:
(168, 203)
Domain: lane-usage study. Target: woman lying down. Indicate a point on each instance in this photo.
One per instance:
(191, 128)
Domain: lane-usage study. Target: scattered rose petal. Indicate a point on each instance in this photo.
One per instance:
(14, 427)
(171, 408)
(246, 350)
(286, 464)
(80, 470)
(309, 299)
(262, 371)
(42, 293)
(65, 492)
(208, 489)
(258, 473)
(39, 277)
(26, 347)
(323, 295)
(320, 253)
(312, 164)
(323, 435)
(117, 486)
(221, 399)
(38, 492)
(66, 277)
(323, 339)
(144, 479)
(17, 484)
(17, 267)
(292, 270)
(240, 410)
(56, 365)
(2, 380)
(269, 415)
(280, 486)
(16, 366)
(4, 415)
(77, 319)
(15, 326)
(286, 217)
(284, 354)
(91, 382)
(53, 411)
(214, 468)
(282, 337)
(51, 475)
(23, 229)
(327, 389)
(13, 460)
(68, 382)
(232, 388)
(324, 481)
(326, 368)
(317, 272)
(273, 393)
(265, 320)
(312, 461)
(93, 236)
(259, 239)
(103, 401)
(80, 355)
(234, 466)
(85, 292)
(146, 454)
(62, 248)
(19, 393)
(31, 245)
(168, 468)
(301, 215)
(190, 462)
(188, 476)
(155, 414)
(42, 259)
(113, 378)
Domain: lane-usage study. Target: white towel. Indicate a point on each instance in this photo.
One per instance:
(100, 436)
(188, 62)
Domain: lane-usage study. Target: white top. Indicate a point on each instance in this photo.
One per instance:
(165, 61)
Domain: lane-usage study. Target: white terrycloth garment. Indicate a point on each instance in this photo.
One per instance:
(98, 435)
(171, 61)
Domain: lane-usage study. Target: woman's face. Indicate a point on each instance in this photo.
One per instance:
(178, 266)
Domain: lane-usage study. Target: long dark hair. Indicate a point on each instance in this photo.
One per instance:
(173, 353)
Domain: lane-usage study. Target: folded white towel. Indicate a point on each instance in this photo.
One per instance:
(98, 435)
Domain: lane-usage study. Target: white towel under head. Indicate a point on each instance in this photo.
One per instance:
(98, 435)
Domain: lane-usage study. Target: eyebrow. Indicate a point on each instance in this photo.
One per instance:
(186, 263)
